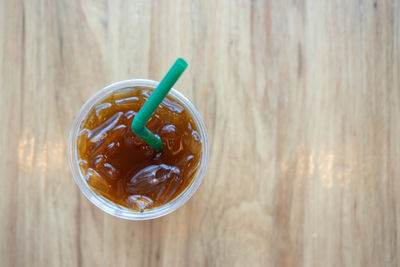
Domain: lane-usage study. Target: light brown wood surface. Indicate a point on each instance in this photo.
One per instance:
(302, 104)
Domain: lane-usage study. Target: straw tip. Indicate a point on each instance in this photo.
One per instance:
(182, 62)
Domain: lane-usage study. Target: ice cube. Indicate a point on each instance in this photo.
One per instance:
(129, 114)
(101, 109)
(152, 178)
(154, 123)
(196, 135)
(98, 160)
(168, 190)
(102, 137)
(139, 202)
(169, 129)
(99, 133)
(172, 106)
(97, 182)
(170, 137)
(109, 171)
(128, 102)
(82, 163)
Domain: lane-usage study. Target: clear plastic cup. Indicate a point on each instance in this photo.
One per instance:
(107, 205)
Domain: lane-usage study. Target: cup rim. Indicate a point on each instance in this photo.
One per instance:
(107, 205)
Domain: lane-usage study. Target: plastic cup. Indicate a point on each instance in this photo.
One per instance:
(107, 205)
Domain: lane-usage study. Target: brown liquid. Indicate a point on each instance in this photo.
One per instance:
(121, 167)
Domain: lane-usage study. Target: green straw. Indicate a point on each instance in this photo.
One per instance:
(155, 99)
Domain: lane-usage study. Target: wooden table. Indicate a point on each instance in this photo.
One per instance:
(302, 104)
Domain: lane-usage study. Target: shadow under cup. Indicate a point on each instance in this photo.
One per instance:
(107, 205)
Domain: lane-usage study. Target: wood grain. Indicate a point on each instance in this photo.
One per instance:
(302, 104)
